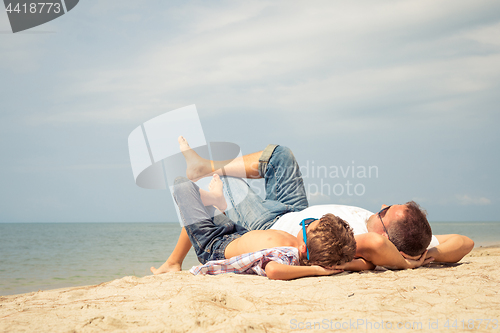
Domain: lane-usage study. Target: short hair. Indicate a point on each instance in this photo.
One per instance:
(412, 234)
(330, 243)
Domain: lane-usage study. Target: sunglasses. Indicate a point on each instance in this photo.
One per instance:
(381, 215)
(305, 223)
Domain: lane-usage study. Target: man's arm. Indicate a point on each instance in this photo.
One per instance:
(277, 271)
(378, 250)
(451, 248)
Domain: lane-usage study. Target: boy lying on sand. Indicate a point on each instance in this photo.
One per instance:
(228, 247)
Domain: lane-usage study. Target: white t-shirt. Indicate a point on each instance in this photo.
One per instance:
(356, 217)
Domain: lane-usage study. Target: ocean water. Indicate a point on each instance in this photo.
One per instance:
(41, 256)
(482, 233)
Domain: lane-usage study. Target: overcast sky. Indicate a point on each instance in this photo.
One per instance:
(405, 87)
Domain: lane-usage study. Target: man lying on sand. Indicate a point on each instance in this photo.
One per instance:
(276, 254)
(396, 237)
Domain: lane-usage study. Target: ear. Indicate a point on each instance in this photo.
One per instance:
(302, 248)
(385, 235)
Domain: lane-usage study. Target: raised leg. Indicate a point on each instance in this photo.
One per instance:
(246, 166)
(284, 192)
(213, 197)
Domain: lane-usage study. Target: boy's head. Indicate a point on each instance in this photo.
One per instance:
(330, 243)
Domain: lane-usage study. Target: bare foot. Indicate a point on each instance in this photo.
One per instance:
(197, 167)
(216, 190)
(166, 267)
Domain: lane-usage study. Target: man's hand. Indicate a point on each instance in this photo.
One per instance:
(378, 250)
(416, 261)
(451, 248)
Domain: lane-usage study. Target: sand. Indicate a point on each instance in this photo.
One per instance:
(438, 298)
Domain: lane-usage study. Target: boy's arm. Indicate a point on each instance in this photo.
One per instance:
(277, 271)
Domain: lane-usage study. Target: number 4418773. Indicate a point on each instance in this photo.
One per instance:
(34, 8)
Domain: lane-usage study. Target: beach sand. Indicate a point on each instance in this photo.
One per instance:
(424, 298)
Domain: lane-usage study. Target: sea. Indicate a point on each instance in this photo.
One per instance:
(42, 256)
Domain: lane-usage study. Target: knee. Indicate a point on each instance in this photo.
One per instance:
(180, 180)
(183, 185)
(284, 151)
(284, 156)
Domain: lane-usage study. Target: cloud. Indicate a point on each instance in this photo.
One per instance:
(465, 200)
(485, 35)
(329, 58)
(409, 86)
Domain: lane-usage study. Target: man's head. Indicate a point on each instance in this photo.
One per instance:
(406, 226)
(330, 241)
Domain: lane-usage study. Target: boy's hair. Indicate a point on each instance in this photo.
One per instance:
(330, 243)
(412, 234)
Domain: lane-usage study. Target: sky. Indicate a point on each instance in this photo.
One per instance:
(405, 89)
